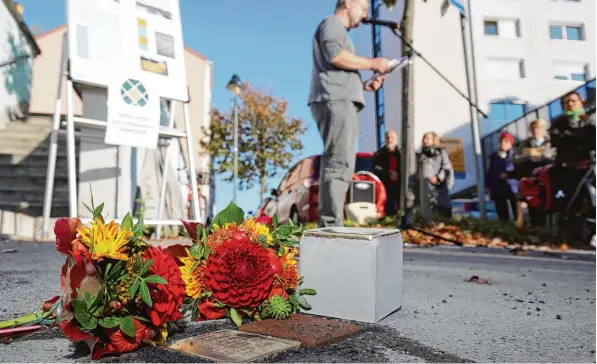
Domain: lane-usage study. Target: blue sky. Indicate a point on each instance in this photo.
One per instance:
(266, 42)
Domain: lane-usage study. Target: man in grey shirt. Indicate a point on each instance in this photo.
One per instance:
(335, 99)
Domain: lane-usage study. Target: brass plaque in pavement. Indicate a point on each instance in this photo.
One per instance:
(233, 346)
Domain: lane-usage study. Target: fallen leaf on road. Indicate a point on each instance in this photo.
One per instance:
(8, 251)
(477, 279)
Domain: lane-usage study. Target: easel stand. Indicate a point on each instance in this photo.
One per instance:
(164, 132)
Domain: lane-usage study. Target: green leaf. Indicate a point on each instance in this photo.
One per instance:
(83, 316)
(303, 302)
(281, 251)
(308, 291)
(231, 213)
(108, 267)
(115, 272)
(145, 296)
(98, 210)
(139, 318)
(137, 265)
(127, 326)
(145, 267)
(235, 317)
(195, 266)
(200, 232)
(127, 222)
(206, 252)
(88, 208)
(109, 322)
(195, 311)
(155, 279)
(88, 299)
(293, 299)
(134, 288)
(196, 251)
(220, 304)
(275, 221)
(139, 226)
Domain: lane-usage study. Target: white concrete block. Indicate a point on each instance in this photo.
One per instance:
(357, 272)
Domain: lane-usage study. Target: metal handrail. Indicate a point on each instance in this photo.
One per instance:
(534, 114)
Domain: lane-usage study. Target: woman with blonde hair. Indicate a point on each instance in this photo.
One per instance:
(437, 172)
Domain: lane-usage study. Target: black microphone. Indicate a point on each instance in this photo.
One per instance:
(385, 23)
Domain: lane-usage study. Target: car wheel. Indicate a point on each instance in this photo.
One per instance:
(294, 216)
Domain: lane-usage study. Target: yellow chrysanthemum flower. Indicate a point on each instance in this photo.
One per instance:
(105, 241)
(193, 279)
(255, 229)
(289, 254)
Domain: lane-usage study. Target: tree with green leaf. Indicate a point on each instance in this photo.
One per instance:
(268, 139)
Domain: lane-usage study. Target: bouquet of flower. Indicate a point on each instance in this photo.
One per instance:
(117, 291)
(241, 268)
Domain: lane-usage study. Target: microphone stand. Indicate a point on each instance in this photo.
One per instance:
(438, 72)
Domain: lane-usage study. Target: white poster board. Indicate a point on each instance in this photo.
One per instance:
(133, 113)
(128, 35)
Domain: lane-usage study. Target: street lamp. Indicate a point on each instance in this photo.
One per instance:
(235, 85)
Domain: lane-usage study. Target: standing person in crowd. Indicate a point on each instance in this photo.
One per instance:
(438, 173)
(386, 165)
(335, 99)
(573, 133)
(534, 152)
(499, 179)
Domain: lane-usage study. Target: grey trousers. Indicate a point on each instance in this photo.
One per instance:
(338, 125)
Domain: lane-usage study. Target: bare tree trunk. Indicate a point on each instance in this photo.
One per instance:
(263, 186)
(408, 163)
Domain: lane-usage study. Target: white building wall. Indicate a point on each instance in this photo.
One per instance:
(15, 79)
(437, 107)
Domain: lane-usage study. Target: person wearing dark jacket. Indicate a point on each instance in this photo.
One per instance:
(573, 133)
(499, 178)
(386, 166)
(438, 173)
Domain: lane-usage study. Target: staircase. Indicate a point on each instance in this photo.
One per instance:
(24, 148)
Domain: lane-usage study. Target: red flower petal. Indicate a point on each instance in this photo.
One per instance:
(65, 230)
(191, 227)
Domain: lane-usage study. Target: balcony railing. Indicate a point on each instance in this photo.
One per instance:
(520, 127)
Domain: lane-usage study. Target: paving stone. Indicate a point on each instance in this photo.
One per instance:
(310, 331)
(231, 346)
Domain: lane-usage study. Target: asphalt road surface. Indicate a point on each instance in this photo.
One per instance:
(535, 310)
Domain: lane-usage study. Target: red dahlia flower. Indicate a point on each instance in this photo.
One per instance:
(239, 274)
(166, 298)
(209, 311)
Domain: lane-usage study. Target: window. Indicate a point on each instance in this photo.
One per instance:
(491, 27)
(164, 112)
(563, 71)
(504, 28)
(505, 69)
(504, 111)
(569, 32)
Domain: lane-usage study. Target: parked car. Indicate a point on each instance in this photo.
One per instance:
(296, 198)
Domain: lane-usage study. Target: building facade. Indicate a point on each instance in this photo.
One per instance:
(17, 52)
(524, 53)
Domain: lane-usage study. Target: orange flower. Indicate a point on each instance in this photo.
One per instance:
(278, 291)
(220, 236)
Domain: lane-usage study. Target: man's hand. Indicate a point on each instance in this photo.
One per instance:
(374, 84)
(433, 180)
(380, 65)
(504, 175)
